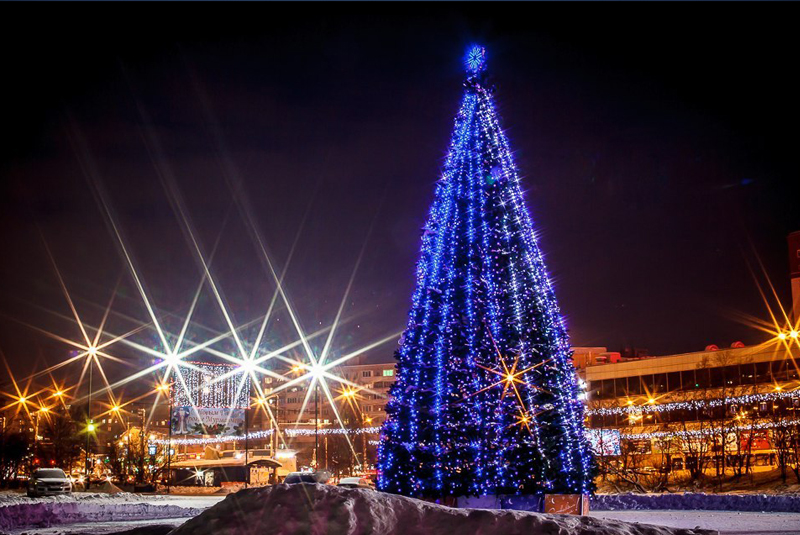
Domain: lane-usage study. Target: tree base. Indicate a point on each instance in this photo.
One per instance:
(562, 504)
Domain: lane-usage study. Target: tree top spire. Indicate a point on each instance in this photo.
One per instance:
(475, 60)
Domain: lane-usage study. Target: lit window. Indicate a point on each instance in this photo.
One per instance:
(388, 373)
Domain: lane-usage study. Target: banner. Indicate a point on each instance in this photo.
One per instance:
(207, 421)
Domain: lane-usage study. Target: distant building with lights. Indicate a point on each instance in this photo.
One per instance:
(692, 407)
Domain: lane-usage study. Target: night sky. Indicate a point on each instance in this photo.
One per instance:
(657, 143)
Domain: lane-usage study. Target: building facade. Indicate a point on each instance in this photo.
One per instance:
(719, 409)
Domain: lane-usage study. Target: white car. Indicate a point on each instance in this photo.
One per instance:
(48, 481)
(357, 483)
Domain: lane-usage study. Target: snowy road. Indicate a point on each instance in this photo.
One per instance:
(18, 513)
(726, 522)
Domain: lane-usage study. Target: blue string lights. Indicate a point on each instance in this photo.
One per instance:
(484, 323)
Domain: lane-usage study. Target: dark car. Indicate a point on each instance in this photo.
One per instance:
(357, 483)
(48, 482)
(307, 477)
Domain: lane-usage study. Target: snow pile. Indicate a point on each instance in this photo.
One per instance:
(19, 511)
(697, 501)
(324, 509)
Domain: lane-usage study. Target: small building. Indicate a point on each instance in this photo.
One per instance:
(229, 467)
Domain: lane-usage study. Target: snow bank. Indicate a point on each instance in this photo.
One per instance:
(324, 509)
(18, 511)
(698, 501)
(13, 498)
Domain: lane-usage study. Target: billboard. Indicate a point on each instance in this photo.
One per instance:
(207, 421)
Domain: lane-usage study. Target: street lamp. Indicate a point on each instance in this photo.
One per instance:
(92, 355)
(42, 410)
(166, 388)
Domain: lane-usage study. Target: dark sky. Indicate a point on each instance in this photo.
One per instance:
(658, 145)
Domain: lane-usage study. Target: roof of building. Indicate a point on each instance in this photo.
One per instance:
(225, 463)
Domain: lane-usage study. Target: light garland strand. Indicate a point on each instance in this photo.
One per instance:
(266, 433)
(786, 422)
(710, 431)
(693, 404)
(211, 385)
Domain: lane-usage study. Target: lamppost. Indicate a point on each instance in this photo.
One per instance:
(167, 387)
(41, 410)
(316, 427)
(246, 445)
(350, 395)
(91, 354)
(366, 421)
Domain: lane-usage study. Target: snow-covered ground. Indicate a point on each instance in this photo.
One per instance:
(778, 503)
(310, 509)
(155, 527)
(17, 511)
(726, 522)
(341, 511)
(15, 497)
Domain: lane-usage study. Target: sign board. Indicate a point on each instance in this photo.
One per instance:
(207, 421)
(566, 504)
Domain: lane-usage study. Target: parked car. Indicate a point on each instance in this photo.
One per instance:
(307, 477)
(357, 483)
(48, 481)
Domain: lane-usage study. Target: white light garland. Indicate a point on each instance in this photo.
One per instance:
(266, 433)
(211, 385)
(711, 431)
(693, 404)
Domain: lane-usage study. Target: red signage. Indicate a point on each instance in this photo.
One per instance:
(760, 440)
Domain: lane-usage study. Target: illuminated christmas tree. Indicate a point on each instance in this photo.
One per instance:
(486, 399)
